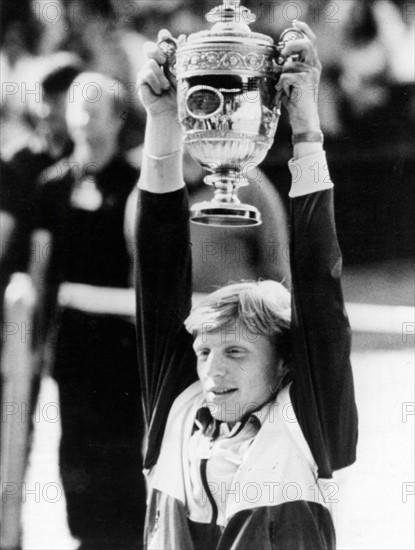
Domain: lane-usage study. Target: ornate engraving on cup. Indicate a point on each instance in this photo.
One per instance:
(193, 63)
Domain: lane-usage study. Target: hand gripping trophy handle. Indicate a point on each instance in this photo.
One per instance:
(169, 47)
(286, 36)
(228, 106)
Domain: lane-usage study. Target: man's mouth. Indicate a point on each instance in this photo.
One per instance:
(222, 391)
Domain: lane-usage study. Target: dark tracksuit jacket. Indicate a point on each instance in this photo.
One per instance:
(314, 427)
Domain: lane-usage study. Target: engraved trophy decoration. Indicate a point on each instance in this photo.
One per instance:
(228, 106)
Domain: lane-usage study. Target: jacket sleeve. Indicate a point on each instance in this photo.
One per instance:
(163, 290)
(322, 393)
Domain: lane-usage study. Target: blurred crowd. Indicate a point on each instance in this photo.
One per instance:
(366, 48)
(72, 131)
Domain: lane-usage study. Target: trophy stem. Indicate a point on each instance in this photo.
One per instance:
(225, 210)
(226, 195)
(226, 185)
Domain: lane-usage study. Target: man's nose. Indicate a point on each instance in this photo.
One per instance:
(85, 120)
(215, 365)
(78, 118)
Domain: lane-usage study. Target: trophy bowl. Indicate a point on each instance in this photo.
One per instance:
(228, 106)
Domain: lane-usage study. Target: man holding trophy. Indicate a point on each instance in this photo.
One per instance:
(249, 396)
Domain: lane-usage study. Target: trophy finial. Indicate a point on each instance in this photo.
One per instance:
(231, 12)
(231, 4)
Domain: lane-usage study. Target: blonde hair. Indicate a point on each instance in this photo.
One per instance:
(264, 307)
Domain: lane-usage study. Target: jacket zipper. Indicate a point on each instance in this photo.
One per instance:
(203, 465)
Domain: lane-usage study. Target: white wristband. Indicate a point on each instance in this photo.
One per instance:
(163, 157)
(309, 175)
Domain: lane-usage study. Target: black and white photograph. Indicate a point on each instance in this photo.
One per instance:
(207, 279)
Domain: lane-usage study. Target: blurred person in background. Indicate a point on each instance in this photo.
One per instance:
(30, 141)
(10, 206)
(80, 220)
(19, 41)
(94, 31)
(45, 144)
(48, 143)
(377, 70)
(376, 109)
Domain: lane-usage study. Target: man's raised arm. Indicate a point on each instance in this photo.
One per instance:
(323, 395)
(163, 272)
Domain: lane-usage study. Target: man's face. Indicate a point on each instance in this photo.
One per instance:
(93, 124)
(238, 370)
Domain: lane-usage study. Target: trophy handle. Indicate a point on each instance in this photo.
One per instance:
(169, 47)
(286, 36)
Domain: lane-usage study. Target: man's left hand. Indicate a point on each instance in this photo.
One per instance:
(299, 81)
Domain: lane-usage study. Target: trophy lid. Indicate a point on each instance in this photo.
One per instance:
(231, 24)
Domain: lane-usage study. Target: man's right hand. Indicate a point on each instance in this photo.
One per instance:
(155, 91)
(161, 171)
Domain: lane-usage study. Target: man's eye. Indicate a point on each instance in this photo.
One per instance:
(235, 351)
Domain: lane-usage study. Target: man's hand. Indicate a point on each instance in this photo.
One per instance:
(300, 80)
(155, 91)
(161, 171)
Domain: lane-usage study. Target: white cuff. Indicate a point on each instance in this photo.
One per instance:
(162, 174)
(163, 157)
(309, 175)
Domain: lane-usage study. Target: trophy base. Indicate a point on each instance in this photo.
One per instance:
(222, 214)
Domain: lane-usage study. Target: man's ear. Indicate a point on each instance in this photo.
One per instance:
(119, 123)
(284, 369)
(281, 370)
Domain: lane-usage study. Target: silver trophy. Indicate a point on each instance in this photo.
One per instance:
(228, 106)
